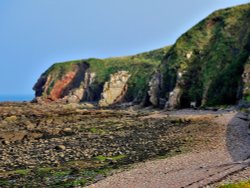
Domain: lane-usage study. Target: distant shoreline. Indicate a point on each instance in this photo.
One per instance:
(16, 98)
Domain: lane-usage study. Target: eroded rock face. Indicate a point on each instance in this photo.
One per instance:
(71, 85)
(210, 76)
(82, 93)
(174, 98)
(115, 89)
(83, 80)
(60, 85)
(154, 89)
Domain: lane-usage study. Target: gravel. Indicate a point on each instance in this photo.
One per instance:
(227, 162)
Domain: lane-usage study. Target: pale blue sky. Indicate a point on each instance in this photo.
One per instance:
(36, 33)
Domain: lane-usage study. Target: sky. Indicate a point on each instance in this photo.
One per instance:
(34, 34)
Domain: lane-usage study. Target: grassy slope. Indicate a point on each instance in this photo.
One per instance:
(141, 66)
(220, 47)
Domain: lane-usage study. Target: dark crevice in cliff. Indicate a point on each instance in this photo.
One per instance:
(78, 79)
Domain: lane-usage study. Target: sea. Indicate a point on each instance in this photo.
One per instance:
(16, 98)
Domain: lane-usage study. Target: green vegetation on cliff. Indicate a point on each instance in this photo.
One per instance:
(205, 65)
(210, 57)
(140, 66)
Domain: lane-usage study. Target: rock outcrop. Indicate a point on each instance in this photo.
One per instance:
(205, 65)
(154, 89)
(115, 89)
(103, 81)
(70, 84)
(174, 98)
(83, 92)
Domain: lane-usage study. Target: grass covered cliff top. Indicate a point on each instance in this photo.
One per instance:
(211, 57)
(140, 66)
(152, 57)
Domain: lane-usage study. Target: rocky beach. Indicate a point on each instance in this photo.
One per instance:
(69, 145)
(176, 116)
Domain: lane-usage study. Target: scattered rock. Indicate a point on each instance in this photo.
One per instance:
(67, 130)
(60, 147)
(5, 142)
(108, 133)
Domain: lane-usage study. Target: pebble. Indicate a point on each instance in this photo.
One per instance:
(60, 147)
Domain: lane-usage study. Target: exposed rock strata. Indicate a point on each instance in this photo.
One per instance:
(205, 67)
(154, 89)
(83, 92)
(115, 89)
(72, 85)
(84, 80)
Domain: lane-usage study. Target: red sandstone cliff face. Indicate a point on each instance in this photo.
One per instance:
(70, 85)
(90, 80)
(60, 85)
(75, 84)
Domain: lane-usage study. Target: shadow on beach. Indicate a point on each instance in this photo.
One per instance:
(237, 137)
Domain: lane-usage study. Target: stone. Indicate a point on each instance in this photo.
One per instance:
(189, 55)
(193, 104)
(67, 130)
(154, 89)
(60, 147)
(72, 86)
(99, 177)
(115, 89)
(29, 125)
(5, 142)
(11, 119)
(174, 98)
(83, 91)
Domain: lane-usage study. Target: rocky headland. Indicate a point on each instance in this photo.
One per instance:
(207, 66)
(94, 117)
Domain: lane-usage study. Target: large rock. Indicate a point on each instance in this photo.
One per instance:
(174, 99)
(68, 83)
(83, 92)
(154, 89)
(115, 89)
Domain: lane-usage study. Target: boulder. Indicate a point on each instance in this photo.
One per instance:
(115, 89)
(154, 89)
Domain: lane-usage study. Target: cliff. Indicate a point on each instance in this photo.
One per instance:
(110, 81)
(206, 64)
